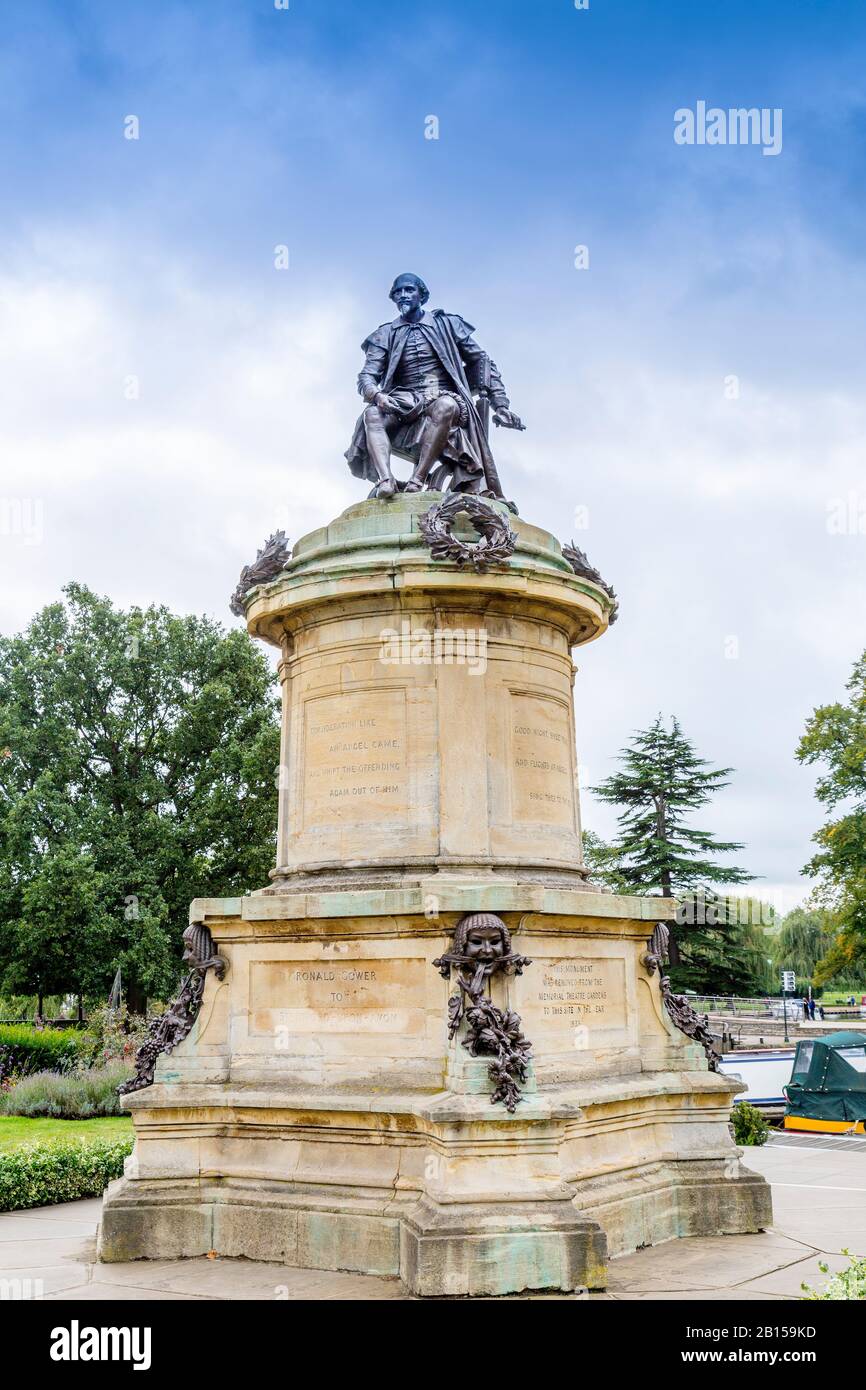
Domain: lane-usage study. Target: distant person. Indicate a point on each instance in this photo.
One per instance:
(821, 1012)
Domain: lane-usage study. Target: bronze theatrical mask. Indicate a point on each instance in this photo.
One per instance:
(421, 377)
(481, 947)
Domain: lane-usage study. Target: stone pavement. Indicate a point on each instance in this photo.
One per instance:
(819, 1198)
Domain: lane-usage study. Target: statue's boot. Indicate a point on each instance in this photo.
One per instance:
(379, 451)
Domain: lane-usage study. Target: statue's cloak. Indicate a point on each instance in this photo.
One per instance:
(467, 453)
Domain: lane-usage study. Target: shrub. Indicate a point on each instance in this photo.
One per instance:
(24, 1050)
(39, 1175)
(749, 1125)
(77, 1095)
(848, 1283)
(112, 1034)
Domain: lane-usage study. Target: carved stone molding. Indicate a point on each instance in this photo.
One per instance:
(170, 1029)
(481, 947)
(497, 538)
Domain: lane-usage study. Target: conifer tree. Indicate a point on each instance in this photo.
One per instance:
(660, 784)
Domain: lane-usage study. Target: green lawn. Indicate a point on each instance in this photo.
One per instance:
(16, 1130)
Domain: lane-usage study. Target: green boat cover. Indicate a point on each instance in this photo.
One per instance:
(829, 1078)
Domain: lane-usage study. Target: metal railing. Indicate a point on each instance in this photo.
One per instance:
(767, 1006)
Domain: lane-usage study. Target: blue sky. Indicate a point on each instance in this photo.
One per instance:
(154, 259)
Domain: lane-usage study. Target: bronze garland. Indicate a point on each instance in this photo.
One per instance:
(695, 1026)
(170, 1029)
(497, 538)
(480, 948)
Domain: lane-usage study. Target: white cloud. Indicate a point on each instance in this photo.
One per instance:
(707, 514)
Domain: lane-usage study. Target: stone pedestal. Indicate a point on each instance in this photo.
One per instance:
(318, 1114)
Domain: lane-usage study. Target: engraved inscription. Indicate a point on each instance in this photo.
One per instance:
(355, 757)
(575, 991)
(363, 996)
(543, 768)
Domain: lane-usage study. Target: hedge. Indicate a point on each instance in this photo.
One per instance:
(38, 1175)
(24, 1049)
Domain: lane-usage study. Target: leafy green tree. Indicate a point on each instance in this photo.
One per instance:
(660, 784)
(47, 949)
(726, 949)
(835, 737)
(138, 753)
(602, 860)
(802, 944)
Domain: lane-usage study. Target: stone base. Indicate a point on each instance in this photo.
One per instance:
(448, 1193)
(435, 1250)
(438, 1251)
(317, 1114)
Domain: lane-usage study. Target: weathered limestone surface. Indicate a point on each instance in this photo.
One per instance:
(317, 1114)
(432, 703)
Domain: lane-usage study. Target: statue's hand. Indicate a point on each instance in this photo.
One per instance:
(385, 403)
(507, 419)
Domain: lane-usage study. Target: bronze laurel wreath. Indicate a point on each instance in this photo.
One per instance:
(497, 538)
(270, 561)
(581, 566)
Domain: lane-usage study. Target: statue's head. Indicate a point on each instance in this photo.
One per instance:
(482, 937)
(409, 293)
(197, 946)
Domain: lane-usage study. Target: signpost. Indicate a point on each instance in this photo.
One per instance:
(789, 984)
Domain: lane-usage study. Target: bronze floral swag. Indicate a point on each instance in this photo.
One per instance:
(481, 947)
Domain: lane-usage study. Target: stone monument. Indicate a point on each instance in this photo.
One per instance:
(430, 1048)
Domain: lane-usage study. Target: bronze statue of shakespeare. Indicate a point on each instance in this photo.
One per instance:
(421, 375)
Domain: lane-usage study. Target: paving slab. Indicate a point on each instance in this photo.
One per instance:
(703, 1264)
(101, 1293)
(30, 1253)
(44, 1280)
(789, 1281)
(701, 1296)
(819, 1203)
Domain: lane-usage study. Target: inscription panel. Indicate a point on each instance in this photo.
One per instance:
(356, 996)
(355, 763)
(572, 991)
(542, 762)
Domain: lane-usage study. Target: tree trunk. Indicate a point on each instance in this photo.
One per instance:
(673, 947)
(136, 999)
(667, 887)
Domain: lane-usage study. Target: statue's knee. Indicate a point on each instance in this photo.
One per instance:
(446, 409)
(372, 415)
